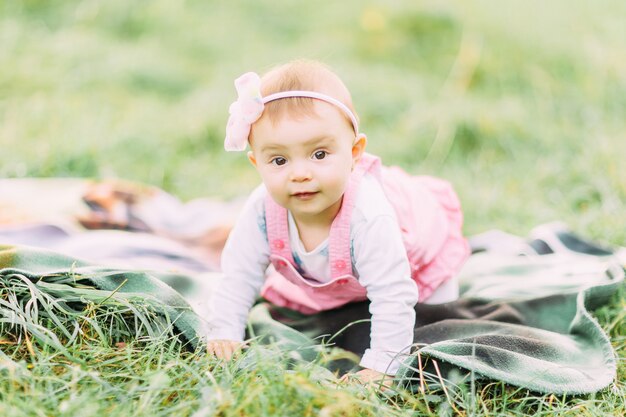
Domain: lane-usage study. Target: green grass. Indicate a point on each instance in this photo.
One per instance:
(521, 105)
(110, 353)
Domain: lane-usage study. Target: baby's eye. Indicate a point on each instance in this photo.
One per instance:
(320, 154)
(278, 161)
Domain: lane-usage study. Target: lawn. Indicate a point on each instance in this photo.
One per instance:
(521, 105)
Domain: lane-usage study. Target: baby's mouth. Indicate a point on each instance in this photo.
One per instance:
(305, 195)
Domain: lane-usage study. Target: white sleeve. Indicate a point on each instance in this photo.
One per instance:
(384, 271)
(244, 261)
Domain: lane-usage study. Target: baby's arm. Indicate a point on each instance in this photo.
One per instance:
(383, 268)
(244, 260)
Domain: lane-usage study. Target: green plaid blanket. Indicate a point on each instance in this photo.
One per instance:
(522, 321)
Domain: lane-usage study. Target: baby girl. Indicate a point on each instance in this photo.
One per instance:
(330, 225)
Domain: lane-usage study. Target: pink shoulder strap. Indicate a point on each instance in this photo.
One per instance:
(339, 252)
(277, 229)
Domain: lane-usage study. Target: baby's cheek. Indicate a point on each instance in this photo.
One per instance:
(275, 187)
(339, 183)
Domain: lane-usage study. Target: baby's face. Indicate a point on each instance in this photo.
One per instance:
(305, 163)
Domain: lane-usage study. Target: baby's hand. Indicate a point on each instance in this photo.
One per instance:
(369, 376)
(224, 349)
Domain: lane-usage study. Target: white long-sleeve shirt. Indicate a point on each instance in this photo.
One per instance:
(379, 262)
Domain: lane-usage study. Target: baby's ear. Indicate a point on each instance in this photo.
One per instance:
(358, 147)
(251, 158)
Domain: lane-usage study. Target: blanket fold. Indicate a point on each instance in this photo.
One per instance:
(43, 267)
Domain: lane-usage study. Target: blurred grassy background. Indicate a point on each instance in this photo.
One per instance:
(522, 105)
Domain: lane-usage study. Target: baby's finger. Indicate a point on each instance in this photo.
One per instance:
(215, 349)
(226, 351)
(219, 350)
(345, 378)
(222, 351)
(235, 348)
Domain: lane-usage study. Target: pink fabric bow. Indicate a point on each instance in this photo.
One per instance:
(243, 112)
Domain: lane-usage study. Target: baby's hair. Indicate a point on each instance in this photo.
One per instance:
(305, 75)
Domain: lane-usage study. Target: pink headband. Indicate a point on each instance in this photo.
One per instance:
(249, 107)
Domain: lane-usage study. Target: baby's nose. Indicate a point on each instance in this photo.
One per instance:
(300, 172)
